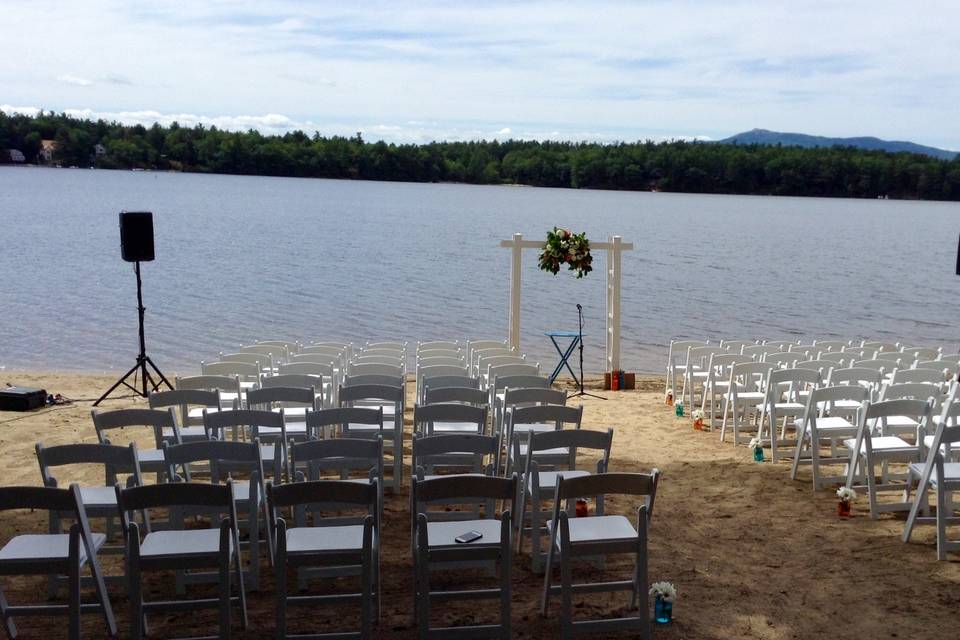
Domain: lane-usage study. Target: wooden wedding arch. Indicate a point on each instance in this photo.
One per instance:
(614, 247)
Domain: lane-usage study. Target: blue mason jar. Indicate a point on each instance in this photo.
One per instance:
(758, 454)
(663, 611)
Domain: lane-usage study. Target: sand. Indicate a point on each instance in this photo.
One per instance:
(752, 553)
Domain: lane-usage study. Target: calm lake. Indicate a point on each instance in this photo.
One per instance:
(242, 258)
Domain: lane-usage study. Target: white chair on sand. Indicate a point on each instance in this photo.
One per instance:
(537, 487)
(871, 447)
(520, 422)
(435, 548)
(390, 400)
(158, 421)
(53, 554)
(188, 403)
(744, 394)
(816, 429)
(228, 388)
(179, 550)
(696, 372)
(599, 535)
(716, 383)
(782, 401)
(677, 363)
(330, 547)
(940, 473)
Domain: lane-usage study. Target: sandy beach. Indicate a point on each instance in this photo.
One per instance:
(753, 554)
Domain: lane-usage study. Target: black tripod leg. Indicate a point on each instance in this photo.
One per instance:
(122, 380)
(156, 369)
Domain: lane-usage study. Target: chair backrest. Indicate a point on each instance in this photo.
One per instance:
(223, 456)
(177, 494)
(375, 369)
(736, 346)
(431, 451)
(277, 397)
(533, 395)
(230, 384)
(922, 353)
(360, 392)
(485, 362)
(339, 418)
(572, 439)
(217, 423)
(758, 351)
(450, 345)
(466, 488)
(882, 347)
(929, 376)
(330, 494)
(823, 366)
(916, 390)
(264, 361)
(114, 460)
(424, 416)
(838, 357)
(437, 382)
(325, 370)
(376, 358)
(341, 455)
(291, 347)
(463, 395)
(677, 354)
(502, 370)
(394, 345)
(432, 371)
(278, 353)
(314, 358)
(750, 374)
(244, 370)
(156, 419)
(334, 353)
(605, 484)
(503, 350)
(855, 375)
(298, 380)
(831, 345)
(476, 345)
(183, 399)
(451, 361)
(909, 407)
(519, 381)
(342, 346)
(371, 378)
(558, 415)
(877, 364)
(782, 359)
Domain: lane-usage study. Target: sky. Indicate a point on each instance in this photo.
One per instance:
(421, 71)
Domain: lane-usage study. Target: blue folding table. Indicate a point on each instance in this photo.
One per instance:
(564, 352)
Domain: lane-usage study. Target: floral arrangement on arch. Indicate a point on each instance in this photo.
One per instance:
(564, 247)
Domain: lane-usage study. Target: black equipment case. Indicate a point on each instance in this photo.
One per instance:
(21, 398)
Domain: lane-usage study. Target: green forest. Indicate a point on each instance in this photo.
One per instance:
(690, 167)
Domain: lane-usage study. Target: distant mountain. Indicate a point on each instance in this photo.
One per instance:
(763, 136)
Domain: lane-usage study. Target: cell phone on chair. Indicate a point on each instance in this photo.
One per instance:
(469, 536)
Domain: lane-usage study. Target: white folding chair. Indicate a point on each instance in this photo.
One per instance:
(816, 428)
(677, 363)
(782, 400)
(744, 393)
(599, 535)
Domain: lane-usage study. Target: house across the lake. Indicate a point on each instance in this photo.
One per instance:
(47, 149)
(13, 156)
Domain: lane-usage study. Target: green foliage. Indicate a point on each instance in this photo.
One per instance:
(564, 247)
(695, 167)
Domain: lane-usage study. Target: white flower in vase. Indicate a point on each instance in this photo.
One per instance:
(697, 414)
(846, 494)
(755, 443)
(663, 590)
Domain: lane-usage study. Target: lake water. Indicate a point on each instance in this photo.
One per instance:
(242, 258)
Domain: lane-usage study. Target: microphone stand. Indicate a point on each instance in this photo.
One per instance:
(582, 393)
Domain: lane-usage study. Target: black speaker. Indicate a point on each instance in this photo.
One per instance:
(958, 259)
(136, 236)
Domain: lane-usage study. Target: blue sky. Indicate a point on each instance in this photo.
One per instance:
(414, 72)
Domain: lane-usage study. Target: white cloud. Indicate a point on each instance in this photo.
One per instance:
(75, 80)
(617, 70)
(504, 132)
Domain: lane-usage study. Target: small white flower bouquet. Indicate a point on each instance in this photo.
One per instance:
(846, 494)
(663, 590)
(697, 414)
(755, 443)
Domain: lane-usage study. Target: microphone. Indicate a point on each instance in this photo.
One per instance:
(579, 307)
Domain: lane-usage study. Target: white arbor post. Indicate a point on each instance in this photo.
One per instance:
(614, 248)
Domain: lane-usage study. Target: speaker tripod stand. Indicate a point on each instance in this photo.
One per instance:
(581, 393)
(144, 382)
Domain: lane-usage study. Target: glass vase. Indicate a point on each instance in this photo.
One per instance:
(843, 508)
(758, 454)
(679, 409)
(662, 611)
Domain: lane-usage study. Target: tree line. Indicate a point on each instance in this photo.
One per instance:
(679, 166)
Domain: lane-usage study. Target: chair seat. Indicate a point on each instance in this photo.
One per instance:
(318, 539)
(452, 475)
(292, 429)
(594, 528)
(828, 425)
(197, 412)
(241, 492)
(181, 543)
(883, 443)
(187, 433)
(900, 422)
(787, 407)
(293, 413)
(748, 396)
(98, 497)
(533, 427)
(951, 471)
(841, 404)
(442, 534)
(43, 547)
(548, 479)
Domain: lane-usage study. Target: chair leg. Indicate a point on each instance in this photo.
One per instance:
(225, 588)
(280, 577)
(253, 524)
(422, 596)
(137, 620)
(566, 596)
(942, 515)
(506, 561)
(8, 624)
(74, 585)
